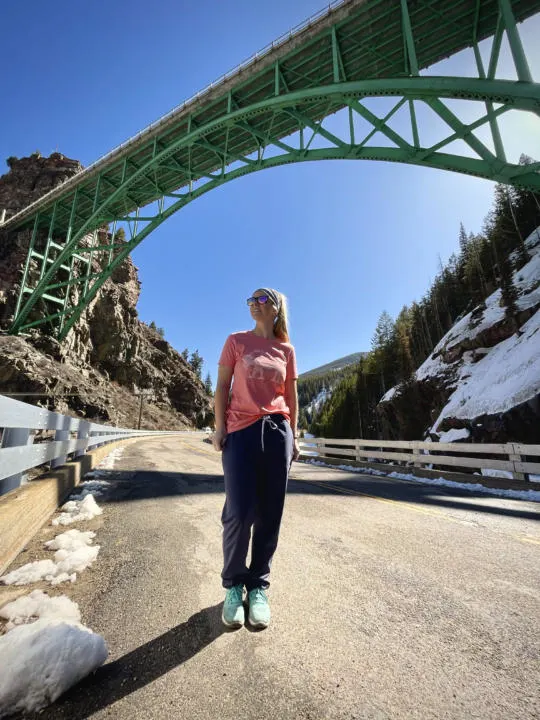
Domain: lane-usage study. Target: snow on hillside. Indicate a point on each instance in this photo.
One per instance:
(527, 282)
(318, 401)
(506, 374)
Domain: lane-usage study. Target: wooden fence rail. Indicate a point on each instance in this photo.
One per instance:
(509, 457)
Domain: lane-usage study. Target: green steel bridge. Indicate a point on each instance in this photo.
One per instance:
(275, 109)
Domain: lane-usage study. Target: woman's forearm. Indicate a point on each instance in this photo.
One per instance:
(221, 398)
(293, 409)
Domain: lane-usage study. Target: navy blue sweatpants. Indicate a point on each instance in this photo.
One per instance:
(256, 462)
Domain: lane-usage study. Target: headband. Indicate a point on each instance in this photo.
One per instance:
(273, 295)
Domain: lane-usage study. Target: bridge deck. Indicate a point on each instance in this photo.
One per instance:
(370, 39)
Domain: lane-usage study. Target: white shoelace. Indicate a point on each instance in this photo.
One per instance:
(273, 425)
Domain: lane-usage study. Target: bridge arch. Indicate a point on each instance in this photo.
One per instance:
(143, 186)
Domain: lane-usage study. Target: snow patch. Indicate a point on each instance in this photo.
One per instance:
(42, 660)
(74, 553)
(71, 540)
(530, 495)
(453, 435)
(316, 404)
(77, 510)
(487, 472)
(38, 605)
(109, 461)
(390, 394)
(89, 487)
(34, 572)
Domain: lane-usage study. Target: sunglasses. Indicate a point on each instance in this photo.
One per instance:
(261, 299)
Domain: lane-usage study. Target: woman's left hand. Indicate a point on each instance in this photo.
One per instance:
(296, 450)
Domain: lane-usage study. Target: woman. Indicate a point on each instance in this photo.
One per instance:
(256, 430)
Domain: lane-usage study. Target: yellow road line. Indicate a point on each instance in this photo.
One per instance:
(204, 450)
(408, 506)
(401, 503)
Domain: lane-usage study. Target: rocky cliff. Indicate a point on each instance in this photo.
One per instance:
(110, 355)
(482, 381)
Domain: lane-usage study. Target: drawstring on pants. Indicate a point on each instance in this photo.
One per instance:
(273, 425)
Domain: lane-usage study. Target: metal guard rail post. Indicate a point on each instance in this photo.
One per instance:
(72, 437)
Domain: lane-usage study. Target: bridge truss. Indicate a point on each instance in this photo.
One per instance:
(304, 99)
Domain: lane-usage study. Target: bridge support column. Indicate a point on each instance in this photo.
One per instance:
(518, 53)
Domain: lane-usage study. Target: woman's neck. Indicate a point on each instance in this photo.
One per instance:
(265, 330)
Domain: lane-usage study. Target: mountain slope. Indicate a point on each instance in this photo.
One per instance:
(315, 386)
(338, 364)
(483, 377)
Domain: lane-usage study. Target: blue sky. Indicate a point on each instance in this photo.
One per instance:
(343, 240)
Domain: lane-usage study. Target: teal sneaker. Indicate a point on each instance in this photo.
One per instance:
(259, 609)
(233, 608)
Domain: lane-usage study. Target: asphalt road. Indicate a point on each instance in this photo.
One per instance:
(389, 599)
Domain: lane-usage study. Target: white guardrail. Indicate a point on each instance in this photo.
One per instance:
(510, 458)
(72, 438)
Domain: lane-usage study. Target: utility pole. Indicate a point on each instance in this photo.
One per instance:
(142, 393)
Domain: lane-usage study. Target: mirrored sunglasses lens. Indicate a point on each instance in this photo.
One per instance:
(262, 299)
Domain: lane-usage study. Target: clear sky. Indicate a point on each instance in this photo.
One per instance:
(343, 240)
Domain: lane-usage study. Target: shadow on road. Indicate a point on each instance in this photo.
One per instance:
(115, 680)
(147, 484)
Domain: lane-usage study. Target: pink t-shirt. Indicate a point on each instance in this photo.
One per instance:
(260, 367)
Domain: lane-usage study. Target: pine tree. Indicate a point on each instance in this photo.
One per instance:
(403, 335)
(196, 362)
(383, 347)
(527, 205)
(463, 240)
(522, 255)
(419, 344)
(208, 384)
(383, 331)
(473, 273)
(509, 292)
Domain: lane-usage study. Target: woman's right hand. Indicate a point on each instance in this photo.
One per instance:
(218, 439)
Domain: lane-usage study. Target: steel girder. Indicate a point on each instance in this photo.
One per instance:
(143, 189)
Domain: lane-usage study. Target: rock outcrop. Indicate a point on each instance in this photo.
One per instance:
(109, 355)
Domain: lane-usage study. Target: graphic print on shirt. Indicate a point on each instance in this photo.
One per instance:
(263, 367)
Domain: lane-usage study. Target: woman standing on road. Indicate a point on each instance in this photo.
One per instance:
(256, 430)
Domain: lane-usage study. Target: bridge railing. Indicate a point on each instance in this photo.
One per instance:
(61, 437)
(510, 458)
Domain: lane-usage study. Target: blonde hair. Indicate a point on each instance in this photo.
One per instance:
(281, 326)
